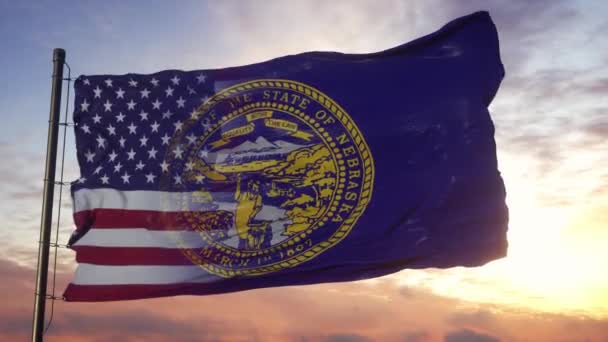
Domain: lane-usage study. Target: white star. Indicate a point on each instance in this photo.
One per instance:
(199, 179)
(180, 102)
(89, 155)
(112, 156)
(154, 81)
(194, 114)
(177, 179)
(97, 170)
(107, 106)
(145, 93)
(156, 104)
(150, 177)
(131, 154)
(152, 153)
(131, 105)
(205, 99)
(85, 128)
(101, 141)
(139, 165)
(165, 139)
(164, 166)
(169, 91)
(108, 83)
(120, 117)
(86, 81)
(201, 78)
(104, 179)
(206, 125)
(132, 83)
(122, 142)
(96, 118)
(117, 167)
(144, 116)
(203, 153)
(84, 106)
(175, 80)
(191, 138)
(120, 94)
(178, 125)
(111, 129)
(125, 177)
(189, 166)
(82, 180)
(154, 127)
(178, 152)
(97, 92)
(167, 114)
(191, 91)
(132, 128)
(143, 140)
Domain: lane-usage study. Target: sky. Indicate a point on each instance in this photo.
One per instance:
(551, 118)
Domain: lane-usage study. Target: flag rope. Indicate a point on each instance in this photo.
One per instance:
(61, 183)
(58, 245)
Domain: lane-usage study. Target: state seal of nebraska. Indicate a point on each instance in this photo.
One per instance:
(274, 173)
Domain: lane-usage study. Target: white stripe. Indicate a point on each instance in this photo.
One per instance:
(89, 274)
(89, 199)
(140, 237)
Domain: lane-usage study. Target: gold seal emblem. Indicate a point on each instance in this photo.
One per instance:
(274, 173)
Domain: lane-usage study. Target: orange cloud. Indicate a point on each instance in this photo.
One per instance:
(356, 311)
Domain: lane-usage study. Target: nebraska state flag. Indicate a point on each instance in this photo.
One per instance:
(317, 167)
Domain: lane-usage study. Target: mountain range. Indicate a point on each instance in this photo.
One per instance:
(259, 149)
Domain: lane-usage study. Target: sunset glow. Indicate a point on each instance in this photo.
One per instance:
(551, 120)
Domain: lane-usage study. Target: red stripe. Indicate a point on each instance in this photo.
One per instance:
(123, 256)
(99, 293)
(121, 218)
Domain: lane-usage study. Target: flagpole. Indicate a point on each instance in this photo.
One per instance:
(47, 199)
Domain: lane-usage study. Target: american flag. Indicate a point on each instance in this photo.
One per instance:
(124, 236)
(125, 124)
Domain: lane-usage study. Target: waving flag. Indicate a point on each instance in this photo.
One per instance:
(310, 168)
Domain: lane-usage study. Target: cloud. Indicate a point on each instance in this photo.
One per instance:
(416, 336)
(466, 335)
(15, 324)
(22, 173)
(407, 292)
(551, 129)
(145, 325)
(479, 318)
(346, 338)
(598, 124)
(337, 337)
(355, 311)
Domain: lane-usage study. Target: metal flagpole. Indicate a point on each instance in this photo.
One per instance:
(47, 199)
